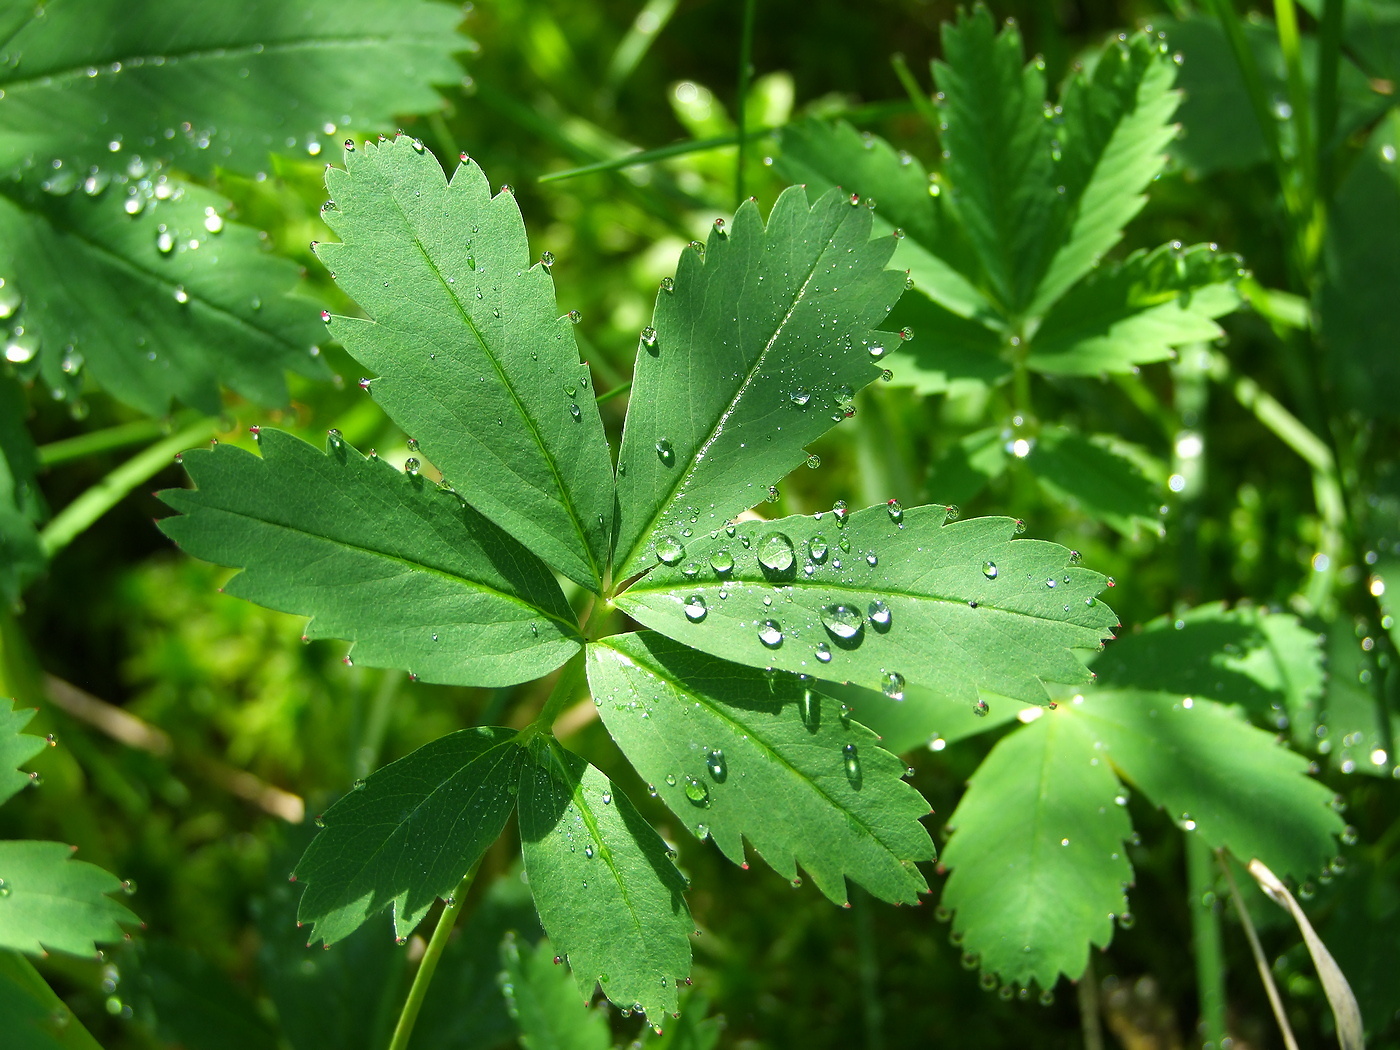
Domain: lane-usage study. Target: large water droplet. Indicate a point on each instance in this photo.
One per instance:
(839, 512)
(775, 552)
(695, 609)
(817, 548)
(892, 684)
(722, 561)
(800, 397)
(770, 633)
(697, 791)
(649, 338)
(989, 570)
(669, 550)
(843, 621)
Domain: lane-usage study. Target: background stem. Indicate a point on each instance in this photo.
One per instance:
(1206, 940)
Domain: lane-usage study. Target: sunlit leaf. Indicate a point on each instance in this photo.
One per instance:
(16, 748)
(417, 579)
(35, 1017)
(738, 755)
(1039, 866)
(1091, 477)
(472, 355)
(608, 895)
(542, 999)
(52, 903)
(758, 348)
(882, 597)
(406, 835)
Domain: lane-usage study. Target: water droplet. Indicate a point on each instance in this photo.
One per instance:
(5, 890)
(838, 511)
(896, 511)
(980, 709)
(823, 652)
(772, 496)
(575, 316)
(843, 621)
(668, 285)
(1020, 526)
(814, 461)
(817, 548)
(879, 613)
(575, 411)
(989, 570)
(649, 338)
(666, 452)
(892, 684)
(906, 333)
(546, 259)
(165, 240)
(669, 550)
(775, 552)
(872, 559)
(695, 609)
(181, 296)
(770, 633)
(671, 779)
(852, 759)
(697, 791)
(800, 397)
(411, 465)
(719, 766)
(721, 561)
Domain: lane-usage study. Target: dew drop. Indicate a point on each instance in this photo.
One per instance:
(649, 338)
(800, 397)
(411, 465)
(666, 452)
(575, 316)
(906, 333)
(668, 285)
(770, 633)
(879, 613)
(775, 552)
(896, 511)
(695, 609)
(718, 765)
(980, 709)
(989, 570)
(823, 653)
(669, 550)
(817, 548)
(852, 760)
(546, 259)
(872, 559)
(892, 684)
(722, 561)
(843, 621)
(697, 791)
(814, 461)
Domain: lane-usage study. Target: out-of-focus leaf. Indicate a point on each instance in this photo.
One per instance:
(740, 755)
(197, 1007)
(162, 304)
(1091, 477)
(16, 748)
(1359, 322)
(406, 835)
(882, 597)
(934, 251)
(542, 999)
(1039, 869)
(50, 902)
(1351, 730)
(1111, 146)
(948, 354)
(608, 895)
(1217, 776)
(758, 348)
(968, 467)
(36, 1018)
(98, 83)
(473, 357)
(21, 507)
(998, 167)
(1138, 311)
(1267, 663)
(924, 718)
(413, 576)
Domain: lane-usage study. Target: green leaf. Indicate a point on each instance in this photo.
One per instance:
(214, 84)
(933, 249)
(969, 466)
(155, 306)
(16, 748)
(739, 754)
(1357, 313)
(1111, 146)
(407, 834)
(1137, 311)
(21, 505)
(758, 350)
(1267, 663)
(924, 718)
(472, 354)
(413, 576)
(1039, 868)
(1089, 475)
(1352, 730)
(966, 607)
(50, 902)
(542, 999)
(998, 165)
(35, 1017)
(1217, 776)
(608, 895)
(949, 354)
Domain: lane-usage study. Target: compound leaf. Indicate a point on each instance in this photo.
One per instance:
(1038, 863)
(35, 1017)
(1111, 146)
(54, 903)
(209, 302)
(739, 754)
(473, 358)
(881, 597)
(1137, 311)
(836, 156)
(541, 998)
(200, 84)
(1088, 474)
(407, 834)
(21, 506)
(757, 349)
(413, 576)
(16, 748)
(998, 165)
(607, 893)
(1230, 783)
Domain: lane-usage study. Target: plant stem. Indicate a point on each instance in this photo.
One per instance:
(96, 441)
(915, 91)
(1206, 940)
(1087, 990)
(1271, 989)
(868, 963)
(79, 515)
(1325, 116)
(741, 102)
(565, 686)
(418, 993)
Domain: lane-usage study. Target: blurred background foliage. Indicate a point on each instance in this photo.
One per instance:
(198, 735)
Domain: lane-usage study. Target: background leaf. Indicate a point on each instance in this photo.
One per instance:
(408, 834)
(437, 589)
(1039, 866)
(742, 754)
(608, 895)
(21, 505)
(757, 351)
(544, 1002)
(472, 355)
(966, 607)
(1089, 476)
(56, 904)
(220, 85)
(16, 748)
(36, 1018)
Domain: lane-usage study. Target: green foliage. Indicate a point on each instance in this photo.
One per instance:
(21, 507)
(542, 1001)
(35, 1017)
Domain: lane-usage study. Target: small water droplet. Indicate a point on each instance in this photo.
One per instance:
(823, 652)
(669, 550)
(666, 452)
(879, 613)
(989, 570)
(906, 333)
(852, 760)
(892, 684)
(575, 316)
(695, 609)
(896, 511)
(649, 338)
(838, 511)
(718, 765)
(872, 559)
(722, 561)
(817, 548)
(843, 621)
(800, 397)
(546, 259)
(980, 709)
(814, 461)
(770, 633)
(411, 465)
(668, 285)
